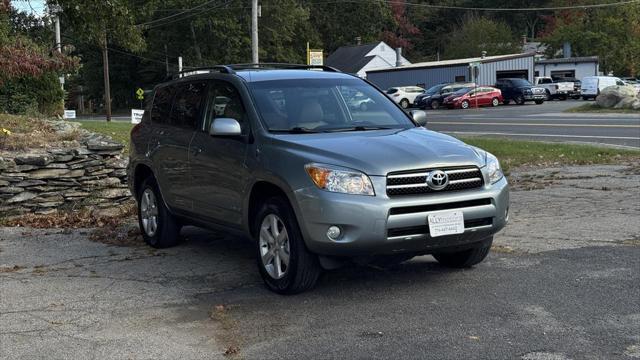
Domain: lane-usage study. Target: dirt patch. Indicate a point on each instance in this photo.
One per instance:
(28, 133)
(229, 335)
(84, 218)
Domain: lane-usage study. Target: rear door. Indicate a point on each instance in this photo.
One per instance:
(174, 134)
(590, 85)
(217, 164)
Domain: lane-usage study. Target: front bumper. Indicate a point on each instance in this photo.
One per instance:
(533, 97)
(378, 225)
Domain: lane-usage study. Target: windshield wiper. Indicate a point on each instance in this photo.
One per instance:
(360, 128)
(294, 130)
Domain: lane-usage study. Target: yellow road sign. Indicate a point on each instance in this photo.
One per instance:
(140, 94)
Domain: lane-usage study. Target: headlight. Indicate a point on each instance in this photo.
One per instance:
(493, 167)
(340, 180)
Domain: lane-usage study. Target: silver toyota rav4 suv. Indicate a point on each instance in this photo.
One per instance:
(276, 152)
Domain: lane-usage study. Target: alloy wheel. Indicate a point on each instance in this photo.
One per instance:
(274, 246)
(149, 212)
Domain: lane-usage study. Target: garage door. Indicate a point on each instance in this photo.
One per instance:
(522, 74)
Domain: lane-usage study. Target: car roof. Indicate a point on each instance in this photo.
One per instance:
(289, 74)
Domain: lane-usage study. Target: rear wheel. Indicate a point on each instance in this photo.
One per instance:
(464, 104)
(404, 103)
(539, 102)
(435, 104)
(158, 226)
(495, 102)
(466, 258)
(285, 264)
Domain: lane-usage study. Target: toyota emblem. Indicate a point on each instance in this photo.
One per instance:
(437, 180)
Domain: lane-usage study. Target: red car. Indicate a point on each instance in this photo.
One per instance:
(467, 97)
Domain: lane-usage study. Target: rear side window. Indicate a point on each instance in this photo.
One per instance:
(392, 91)
(225, 102)
(162, 105)
(187, 105)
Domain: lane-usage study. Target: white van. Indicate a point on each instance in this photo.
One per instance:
(592, 85)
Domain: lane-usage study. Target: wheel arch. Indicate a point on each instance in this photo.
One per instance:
(140, 173)
(261, 190)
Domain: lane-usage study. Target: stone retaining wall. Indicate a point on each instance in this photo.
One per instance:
(90, 174)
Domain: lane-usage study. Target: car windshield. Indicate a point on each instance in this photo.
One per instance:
(325, 105)
(434, 89)
(462, 91)
(520, 82)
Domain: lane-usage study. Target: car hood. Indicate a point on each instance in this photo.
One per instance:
(379, 152)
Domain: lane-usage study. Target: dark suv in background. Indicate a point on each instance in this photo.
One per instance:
(520, 91)
(277, 153)
(434, 97)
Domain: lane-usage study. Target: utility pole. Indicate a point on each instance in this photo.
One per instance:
(56, 20)
(166, 59)
(179, 66)
(107, 86)
(254, 32)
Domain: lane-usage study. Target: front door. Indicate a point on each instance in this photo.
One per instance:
(217, 164)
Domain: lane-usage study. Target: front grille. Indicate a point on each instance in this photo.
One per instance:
(415, 182)
(437, 207)
(424, 229)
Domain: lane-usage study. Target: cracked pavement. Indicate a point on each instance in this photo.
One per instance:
(561, 283)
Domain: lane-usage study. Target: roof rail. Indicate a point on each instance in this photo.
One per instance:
(281, 66)
(206, 69)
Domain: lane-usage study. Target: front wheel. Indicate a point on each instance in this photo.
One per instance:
(466, 258)
(404, 103)
(465, 104)
(435, 104)
(539, 102)
(495, 102)
(158, 226)
(285, 264)
(519, 100)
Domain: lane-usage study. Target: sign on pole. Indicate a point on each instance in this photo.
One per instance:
(136, 116)
(69, 114)
(140, 94)
(315, 57)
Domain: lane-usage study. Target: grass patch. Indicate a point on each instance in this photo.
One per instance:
(515, 153)
(117, 130)
(595, 108)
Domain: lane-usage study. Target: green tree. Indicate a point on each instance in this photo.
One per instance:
(478, 34)
(104, 24)
(613, 34)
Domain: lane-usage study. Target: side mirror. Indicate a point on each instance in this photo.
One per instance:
(420, 117)
(225, 127)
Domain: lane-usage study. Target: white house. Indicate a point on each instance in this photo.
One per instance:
(359, 59)
(572, 67)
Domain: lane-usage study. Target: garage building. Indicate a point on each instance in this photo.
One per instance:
(427, 74)
(573, 67)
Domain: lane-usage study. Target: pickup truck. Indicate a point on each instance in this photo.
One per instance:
(555, 90)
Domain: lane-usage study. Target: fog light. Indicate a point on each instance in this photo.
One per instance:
(334, 233)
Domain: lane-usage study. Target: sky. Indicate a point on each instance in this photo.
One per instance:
(23, 5)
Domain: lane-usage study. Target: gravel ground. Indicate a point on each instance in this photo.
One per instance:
(562, 283)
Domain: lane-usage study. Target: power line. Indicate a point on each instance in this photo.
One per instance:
(572, 7)
(188, 16)
(177, 14)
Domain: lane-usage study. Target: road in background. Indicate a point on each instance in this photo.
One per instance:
(545, 122)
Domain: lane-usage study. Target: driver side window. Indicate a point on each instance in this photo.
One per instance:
(224, 101)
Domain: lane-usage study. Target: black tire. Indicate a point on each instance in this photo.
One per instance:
(549, 97)
(435, 104)
(495, 102)
(563, 97)
(539, 102)
(304, 268)
(466, 258)
(404, 103)
(585, 98)
(506, 102)
(167, 229)
(519, 100)
(465, 104)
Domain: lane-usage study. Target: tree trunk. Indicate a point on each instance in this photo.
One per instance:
(107, 87)
(195, 44)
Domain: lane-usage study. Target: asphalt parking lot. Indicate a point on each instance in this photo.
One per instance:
(561, 283)
(546, 122)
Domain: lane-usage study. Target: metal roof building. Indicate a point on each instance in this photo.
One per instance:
(427, 74)
(572, 67)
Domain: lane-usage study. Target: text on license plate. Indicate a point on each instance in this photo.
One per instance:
(445, 223)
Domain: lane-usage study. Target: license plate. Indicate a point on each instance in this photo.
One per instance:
(445, 223)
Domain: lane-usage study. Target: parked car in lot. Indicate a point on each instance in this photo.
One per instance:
(359, 101)
(435, 95)
(404, 95)
(592, 85)
(286, 162)
(472, 97)
(555, 89)
(576, 85)
(520, 91)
